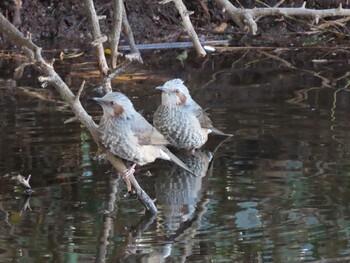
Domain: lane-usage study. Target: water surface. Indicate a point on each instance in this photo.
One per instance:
(278, 191)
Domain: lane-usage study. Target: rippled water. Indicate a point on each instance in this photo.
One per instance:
(278, 191)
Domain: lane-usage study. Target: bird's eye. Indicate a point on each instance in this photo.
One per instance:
(112, 102)
(177, 91)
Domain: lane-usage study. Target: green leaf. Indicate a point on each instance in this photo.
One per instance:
(182, 56)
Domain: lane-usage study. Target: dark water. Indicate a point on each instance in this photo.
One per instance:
(278, 191)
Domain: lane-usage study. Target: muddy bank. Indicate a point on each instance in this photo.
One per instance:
(51, 23)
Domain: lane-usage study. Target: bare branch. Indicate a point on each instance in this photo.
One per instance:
(77, 97)
(23, 181)
(116, 29)
(248, 19)
(31, 50)
(118, 71)
(248, 15)
(96, 34)
(185, 15)
(100, 40)
(231, 11)
(50, 76)
(276, 5)
(17, 13)
(70, 120)
(286, 11)
(130, 37)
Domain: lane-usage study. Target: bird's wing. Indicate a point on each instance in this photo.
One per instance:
(205, 121)
(146, 133)
(202, 116)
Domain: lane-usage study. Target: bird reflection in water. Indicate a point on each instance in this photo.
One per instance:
(177, 191)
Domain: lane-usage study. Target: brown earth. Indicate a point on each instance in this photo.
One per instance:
(53, 22)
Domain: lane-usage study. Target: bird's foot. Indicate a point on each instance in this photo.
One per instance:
(193, 151)
(126, 173)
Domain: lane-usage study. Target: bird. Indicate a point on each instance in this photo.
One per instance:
(180, 119)
(128, 135)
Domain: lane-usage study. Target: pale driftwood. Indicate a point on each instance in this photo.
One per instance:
(135, 53)
(185, 15)
(96, 34)
(17, 13)
(97, 43)
(23, 181)
(231, 10)
(49, 75)
(248, 15)
(276, 5)
(116, 29)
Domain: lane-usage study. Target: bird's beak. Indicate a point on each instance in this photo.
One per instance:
(96, 100)
(162, 89)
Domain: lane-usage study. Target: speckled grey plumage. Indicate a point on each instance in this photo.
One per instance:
(180, 119)
(128, 135)
(180, 127)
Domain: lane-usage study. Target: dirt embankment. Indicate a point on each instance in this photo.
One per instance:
(56, 21)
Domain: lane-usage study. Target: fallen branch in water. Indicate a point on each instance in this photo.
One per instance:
(246, 16)
(49, 76)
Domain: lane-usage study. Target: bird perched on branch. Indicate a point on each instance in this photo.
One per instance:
(130, 136)
(180, 119)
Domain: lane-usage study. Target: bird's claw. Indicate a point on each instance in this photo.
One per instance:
(126, 173)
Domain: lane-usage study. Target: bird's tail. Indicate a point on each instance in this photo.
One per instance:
(218, 132)
(178, 161)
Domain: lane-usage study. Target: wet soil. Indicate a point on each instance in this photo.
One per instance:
(53, 22)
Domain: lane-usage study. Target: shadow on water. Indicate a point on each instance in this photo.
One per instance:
(277, 191)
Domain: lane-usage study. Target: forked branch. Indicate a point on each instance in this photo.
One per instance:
(246, 16)
(50, 76)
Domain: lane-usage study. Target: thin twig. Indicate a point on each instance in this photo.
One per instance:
(116, 29)
(276, 5)
(121, 69)
(23, 181)
(77, 97)
(185, 15)
(135, 53)
(96, 34)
